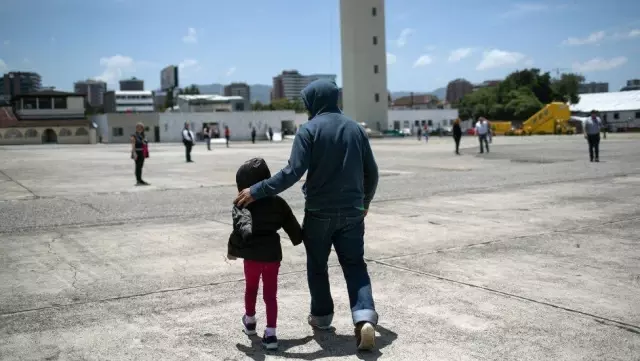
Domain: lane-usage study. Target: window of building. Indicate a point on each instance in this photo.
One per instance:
(417, 123)
(430, 123)
(375, 40)
(423, 122)
(117, 132)
(375, 69)
(59, 103)
(637, 115)
(44, 103)
(374, 11)
(377, 98)
(616, 115)
(29, 103)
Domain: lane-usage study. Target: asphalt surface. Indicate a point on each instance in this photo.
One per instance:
(529, 252)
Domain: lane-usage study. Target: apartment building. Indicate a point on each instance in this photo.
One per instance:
(457, 89)
(93, 90)
(242, 90)
(593, 87)
(633, 84)
(128, 101)
(17, 82)
(290, 83)
(133, 84)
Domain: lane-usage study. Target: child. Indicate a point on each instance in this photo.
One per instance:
(255, 239)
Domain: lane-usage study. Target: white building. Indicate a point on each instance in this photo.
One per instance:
(414, 118)
(207, 103)
(364, 62)
(131, 101)
(620, 110)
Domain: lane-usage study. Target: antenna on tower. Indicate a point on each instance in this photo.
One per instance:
(558, 70)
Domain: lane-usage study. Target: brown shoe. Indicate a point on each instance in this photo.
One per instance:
(365, 336)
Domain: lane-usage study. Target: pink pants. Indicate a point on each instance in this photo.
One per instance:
(269, 272)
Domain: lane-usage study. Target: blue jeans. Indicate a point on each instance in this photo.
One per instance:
(344, 229)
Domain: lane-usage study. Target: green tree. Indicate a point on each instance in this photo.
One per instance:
(190, 90)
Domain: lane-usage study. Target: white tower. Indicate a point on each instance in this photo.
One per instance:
(364, 62)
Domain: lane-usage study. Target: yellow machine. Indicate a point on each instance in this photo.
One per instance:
(552, 119)
(500, 127)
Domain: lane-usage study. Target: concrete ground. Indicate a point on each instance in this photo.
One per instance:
(529, 252)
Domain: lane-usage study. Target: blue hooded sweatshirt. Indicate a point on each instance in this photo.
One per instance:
(334, 150)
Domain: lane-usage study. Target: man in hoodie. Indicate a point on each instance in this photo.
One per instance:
(342, 177)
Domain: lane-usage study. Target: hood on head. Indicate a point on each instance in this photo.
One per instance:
(321, 96)
(251, 172)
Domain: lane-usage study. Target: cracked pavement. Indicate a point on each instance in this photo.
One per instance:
(529, 252)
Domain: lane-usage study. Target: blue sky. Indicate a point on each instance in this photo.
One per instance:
(428, 42)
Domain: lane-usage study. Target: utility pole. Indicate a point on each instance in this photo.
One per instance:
(558, 70)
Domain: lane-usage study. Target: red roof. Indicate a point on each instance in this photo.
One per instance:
(7, 117)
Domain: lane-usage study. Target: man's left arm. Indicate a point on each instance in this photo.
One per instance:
(291, 173)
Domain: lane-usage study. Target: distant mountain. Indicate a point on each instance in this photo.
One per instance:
(441, 93)
(259, 92)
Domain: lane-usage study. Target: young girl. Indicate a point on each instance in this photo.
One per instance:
(255, 238)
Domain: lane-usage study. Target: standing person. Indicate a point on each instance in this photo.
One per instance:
(457, 134)
(341, 181)
(253, 135)
(255, 238)
(138, 153)
(592, 134)
(270, 134)
(188, 140)
(489, 132)
(227, 134)
(426, 133)
(206, 133)
(481, 131)
(419, 133)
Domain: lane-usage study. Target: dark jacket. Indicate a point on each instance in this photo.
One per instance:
(457, 131)
(334, 151)
(255, 228)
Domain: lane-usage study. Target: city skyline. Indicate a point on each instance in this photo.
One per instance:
(424, 52)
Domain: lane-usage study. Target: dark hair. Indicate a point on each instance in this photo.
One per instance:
(594, 112)
(251, 172)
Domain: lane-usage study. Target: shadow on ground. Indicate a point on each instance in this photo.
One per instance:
(331, 345)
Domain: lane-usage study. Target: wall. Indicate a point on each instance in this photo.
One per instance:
(126, 122)
(440, 117)
(622, 121)
(240, 123)
(63, 135)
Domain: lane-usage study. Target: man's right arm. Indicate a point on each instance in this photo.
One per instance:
(370, 174)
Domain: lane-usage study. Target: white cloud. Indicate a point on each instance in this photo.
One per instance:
(3, 66)
(26, 61)
(634, 33)
(599, 64)
(115, 67)
(423, 60)
(7, 42)
(191, 37)
(593, 38)
(459, 54)
(53, 40)
(391, 59)
(499, 58)
(404, 35)
(430, 48)
(522, 9)
(188, 63)
(230, 71)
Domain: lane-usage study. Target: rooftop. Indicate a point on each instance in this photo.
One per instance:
(608, 102)
(133, 92)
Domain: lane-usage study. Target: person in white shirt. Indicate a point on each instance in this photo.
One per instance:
(188, 140)
(482, 129)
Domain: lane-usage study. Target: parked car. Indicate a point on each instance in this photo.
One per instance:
(370, 132)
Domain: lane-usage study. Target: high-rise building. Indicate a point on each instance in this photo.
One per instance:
(364, 62)
(458, 88)
(18, 82)
(93, 90)
(290, 83)
(133, 84)
(593, 87)
(239, 89)
(633, 84)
